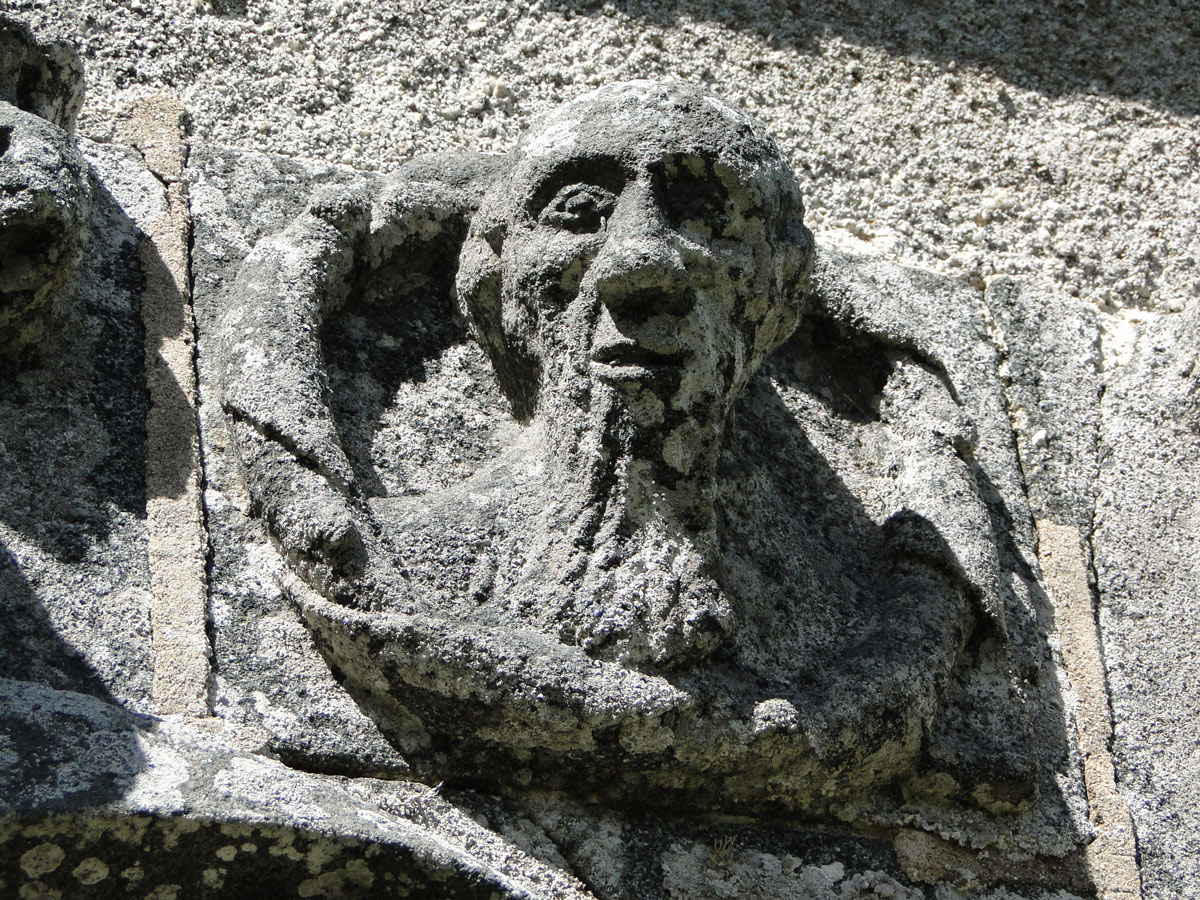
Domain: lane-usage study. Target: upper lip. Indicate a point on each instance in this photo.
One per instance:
(629, 353)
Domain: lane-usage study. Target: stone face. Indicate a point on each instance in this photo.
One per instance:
(626, 278)
(642, 540)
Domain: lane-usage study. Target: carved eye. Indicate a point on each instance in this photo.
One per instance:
(580, 208)
(699, 203)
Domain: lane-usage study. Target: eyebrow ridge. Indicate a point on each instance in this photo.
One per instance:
(606, 170)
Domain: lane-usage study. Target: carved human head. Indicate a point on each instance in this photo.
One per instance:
(648, 237)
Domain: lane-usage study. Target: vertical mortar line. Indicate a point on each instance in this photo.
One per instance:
(1112, 855)
(177, 548)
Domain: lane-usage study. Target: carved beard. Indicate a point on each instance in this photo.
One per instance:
(622, 557)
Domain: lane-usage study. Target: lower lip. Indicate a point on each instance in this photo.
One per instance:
(636, 371)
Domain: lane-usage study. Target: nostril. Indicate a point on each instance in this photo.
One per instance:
(5, 137)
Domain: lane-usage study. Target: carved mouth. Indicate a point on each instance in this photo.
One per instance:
(630, 360)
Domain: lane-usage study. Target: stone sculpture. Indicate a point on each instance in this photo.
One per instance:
(44, 187)
(650, 536)
(574, 529)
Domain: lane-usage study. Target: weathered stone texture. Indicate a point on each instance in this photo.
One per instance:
(371, 429)
(267, 674)
(42, 77)
(560, 524)
(1146, 555)
(77, 599)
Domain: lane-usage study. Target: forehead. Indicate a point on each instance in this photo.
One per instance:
(640, 123)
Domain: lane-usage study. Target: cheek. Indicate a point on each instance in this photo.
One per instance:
(733, 292)
(733, 283)
(542, 274)
(723, 264)
(547, 266)
(743, 260)
(755, 292)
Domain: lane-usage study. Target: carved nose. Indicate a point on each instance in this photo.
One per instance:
(639, 271)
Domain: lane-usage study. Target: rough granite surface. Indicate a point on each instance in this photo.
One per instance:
(76, 602)
(238, 197)
(1146, 570)
(1037, 165)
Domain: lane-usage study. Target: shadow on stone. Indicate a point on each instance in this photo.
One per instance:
(1056, 48)
(73, 480)
(33, 650)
